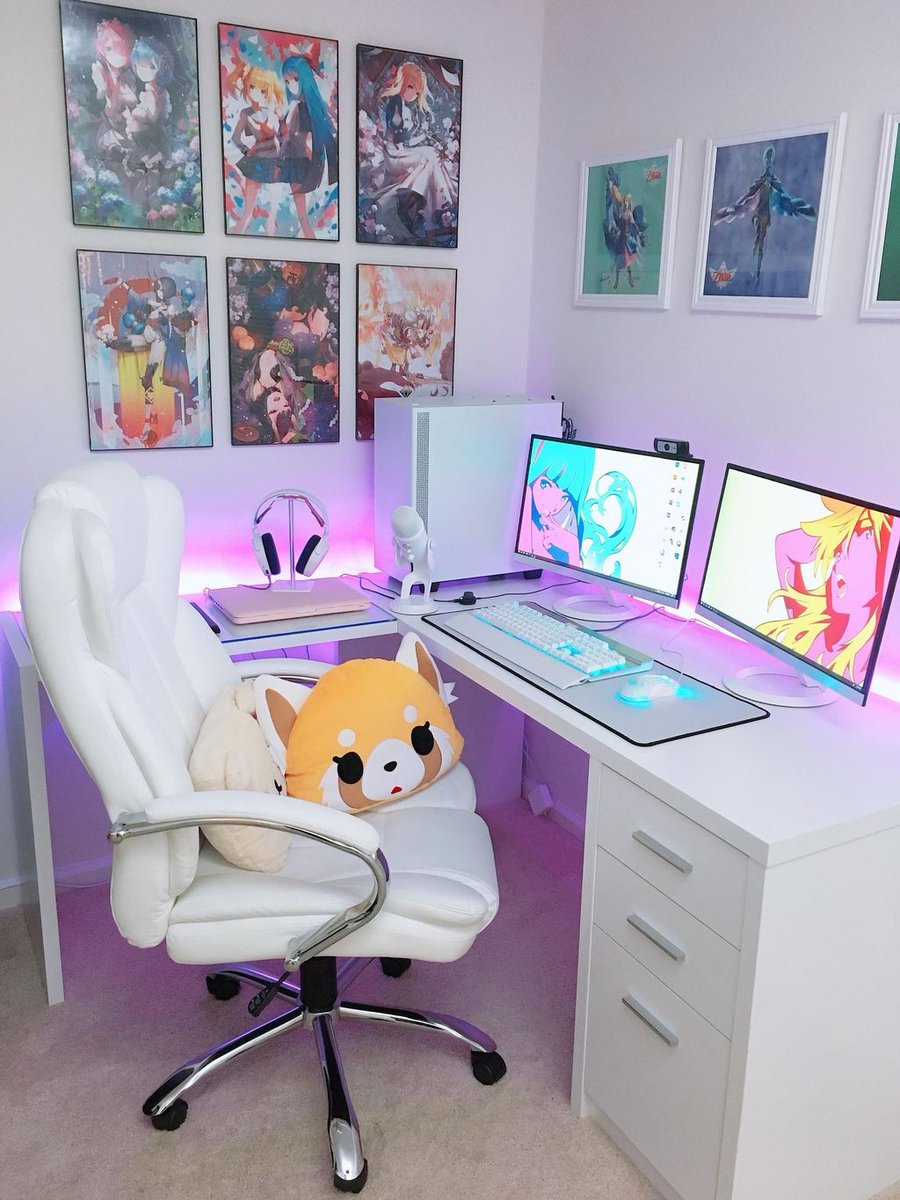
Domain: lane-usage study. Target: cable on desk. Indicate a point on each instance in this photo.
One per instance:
(531, 592)
(376, 590)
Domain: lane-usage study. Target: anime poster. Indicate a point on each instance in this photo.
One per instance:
(881, 297)
(406, 319)
(625, 233)
(133, 117)
(409, 119)
(283, 351)
(279, 94)
(146, 350)
(811, 572)
(768, 213)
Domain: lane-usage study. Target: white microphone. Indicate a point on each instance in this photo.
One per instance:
(413, 545)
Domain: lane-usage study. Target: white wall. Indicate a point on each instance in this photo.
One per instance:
(813, 399)
(42, 384)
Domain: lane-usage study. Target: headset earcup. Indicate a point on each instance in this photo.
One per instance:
(270, 552)
(308, 559)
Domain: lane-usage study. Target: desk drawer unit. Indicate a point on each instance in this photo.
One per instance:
(696, 869)
(680, 950)
(656, 1068)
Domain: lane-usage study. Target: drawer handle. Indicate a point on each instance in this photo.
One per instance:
(657, 938)
(680, 864)
(670, 1038)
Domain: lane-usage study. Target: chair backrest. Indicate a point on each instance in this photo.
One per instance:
(130, 669)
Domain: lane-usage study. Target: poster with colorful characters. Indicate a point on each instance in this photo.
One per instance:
(146, 350)
(405, 334)
(133, 116)
(279, 94)
(283, 351)
(625, 242)
(409, 109)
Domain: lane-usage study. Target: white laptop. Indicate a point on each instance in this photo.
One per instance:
(308, 598)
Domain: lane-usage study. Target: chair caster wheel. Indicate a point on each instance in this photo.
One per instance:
(353, 1185)
(223, 987)
(395, 967)
(172, 1117)
(487, 1066)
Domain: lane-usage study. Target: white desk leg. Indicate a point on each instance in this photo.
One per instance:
(25, 740)
(591, 816)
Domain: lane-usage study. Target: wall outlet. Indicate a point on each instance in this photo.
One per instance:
(538, 796)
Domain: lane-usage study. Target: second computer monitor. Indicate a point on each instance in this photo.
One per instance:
(617, 518)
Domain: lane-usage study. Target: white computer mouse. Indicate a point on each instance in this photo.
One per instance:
(649, 686)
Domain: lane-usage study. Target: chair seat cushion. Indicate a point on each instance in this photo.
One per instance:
(442, 892)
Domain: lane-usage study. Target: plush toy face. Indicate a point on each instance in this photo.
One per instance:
(370, 731)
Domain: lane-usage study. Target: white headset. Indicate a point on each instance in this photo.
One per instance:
(264, 543)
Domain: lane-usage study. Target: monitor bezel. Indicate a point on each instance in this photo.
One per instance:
(593, 577)
(859, 694)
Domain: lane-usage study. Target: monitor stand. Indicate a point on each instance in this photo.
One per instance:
(784, 688)
(600, 605)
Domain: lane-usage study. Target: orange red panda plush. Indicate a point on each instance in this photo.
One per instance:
(371, 731)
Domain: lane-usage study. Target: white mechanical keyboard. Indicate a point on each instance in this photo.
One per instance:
(554, 649)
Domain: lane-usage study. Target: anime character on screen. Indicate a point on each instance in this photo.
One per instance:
(764, 198)
(609, 515)
(832, 571)
(556, 484)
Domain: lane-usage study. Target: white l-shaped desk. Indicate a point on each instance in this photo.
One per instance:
(738, 999)
(739, 964)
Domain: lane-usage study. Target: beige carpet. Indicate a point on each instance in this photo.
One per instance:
(73, 1077)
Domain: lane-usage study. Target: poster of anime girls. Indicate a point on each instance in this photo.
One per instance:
(279, 94)
(881, 295)
(407, 168)
(768, 215)
(406, 322)
(626, 228)
(146, 350)
(283, 351)
(133, 116)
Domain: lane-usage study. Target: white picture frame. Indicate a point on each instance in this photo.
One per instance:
(785, 272)
(606, 274)
(887, 308)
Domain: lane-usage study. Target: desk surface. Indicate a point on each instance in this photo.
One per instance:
(802, 781)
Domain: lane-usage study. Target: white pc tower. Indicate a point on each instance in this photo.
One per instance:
(459, 463)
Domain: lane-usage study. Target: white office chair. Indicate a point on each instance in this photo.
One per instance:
(131, 670)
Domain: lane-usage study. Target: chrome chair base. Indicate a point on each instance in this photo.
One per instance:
(167, 1109)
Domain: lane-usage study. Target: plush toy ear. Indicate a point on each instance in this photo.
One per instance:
(413, 653)
(277, 703)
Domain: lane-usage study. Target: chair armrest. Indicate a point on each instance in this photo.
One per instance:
(250, 808)
(283, 668)
(340, 830)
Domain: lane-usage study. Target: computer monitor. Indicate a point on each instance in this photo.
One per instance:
(806, 573)
(620, 519)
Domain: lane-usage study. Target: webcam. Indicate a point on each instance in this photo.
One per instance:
(672, 448)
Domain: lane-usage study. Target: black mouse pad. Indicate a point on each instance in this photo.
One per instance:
(697, 707)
